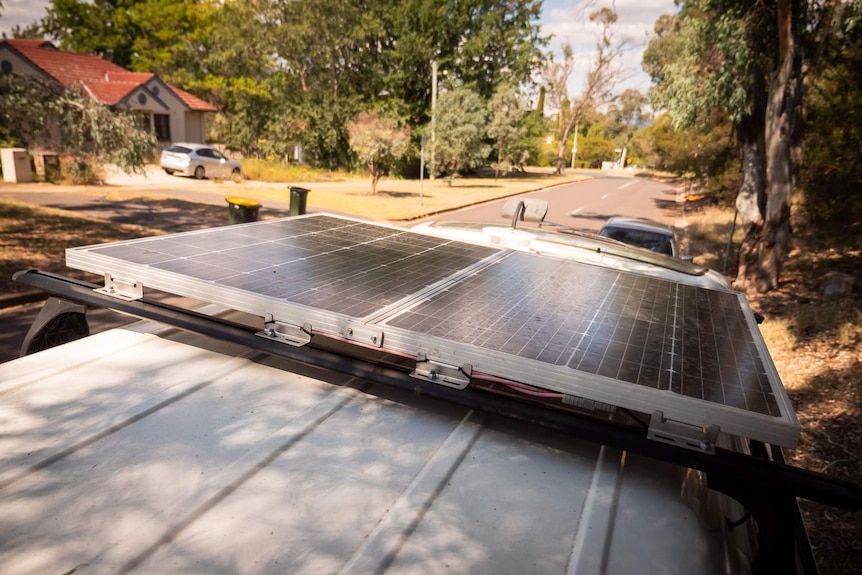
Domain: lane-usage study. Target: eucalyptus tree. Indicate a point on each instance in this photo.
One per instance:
(626, 116)
(602, 78)
(744, 59)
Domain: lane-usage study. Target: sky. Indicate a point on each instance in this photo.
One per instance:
(566, 20)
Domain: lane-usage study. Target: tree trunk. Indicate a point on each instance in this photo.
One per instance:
(782, 112)
(751, 200)
(561, 151)
(766, 216)
(561, 161)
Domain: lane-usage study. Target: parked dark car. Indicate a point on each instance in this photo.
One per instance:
(642, 233)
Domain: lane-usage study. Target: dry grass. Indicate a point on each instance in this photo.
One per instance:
(404, 200)
(816, 345)
(33, 237)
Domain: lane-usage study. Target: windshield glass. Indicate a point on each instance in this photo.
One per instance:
(653, 241)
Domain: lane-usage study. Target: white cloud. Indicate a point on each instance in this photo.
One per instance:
(21, 13)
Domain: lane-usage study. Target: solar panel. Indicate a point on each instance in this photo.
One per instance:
(646, 331)
(591, 332)
(325, 263)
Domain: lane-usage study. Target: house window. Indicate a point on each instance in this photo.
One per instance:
(144, 121)
(6, 67)
(162, 126)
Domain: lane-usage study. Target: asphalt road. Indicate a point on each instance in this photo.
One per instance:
(587, 204)
(581, 205)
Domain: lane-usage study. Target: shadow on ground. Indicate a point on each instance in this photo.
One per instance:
(168, 215)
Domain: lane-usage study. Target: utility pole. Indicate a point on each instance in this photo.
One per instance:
(575, 144)
(433, 115)
(422, 172)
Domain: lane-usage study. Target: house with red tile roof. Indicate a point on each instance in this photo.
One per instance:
(174, 115)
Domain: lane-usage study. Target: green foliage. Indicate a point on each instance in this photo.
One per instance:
(378, 143)
(593, 149)
(25, 107)
(32, 31)
(709, 154)
(461, 122)
(547, 153)
(162, 36)
(479, 43)
(507, 128)
(287, 72)
(95, 134)
(535, 129)
(713, 54)
(172, 35)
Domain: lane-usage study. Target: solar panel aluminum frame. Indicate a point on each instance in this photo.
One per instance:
(783, 430)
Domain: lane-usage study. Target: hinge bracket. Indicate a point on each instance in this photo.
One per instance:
(442, 373)
(294, 335)
(682, 434)
(120, 289)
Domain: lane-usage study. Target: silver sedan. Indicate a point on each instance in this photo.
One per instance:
(199, 161)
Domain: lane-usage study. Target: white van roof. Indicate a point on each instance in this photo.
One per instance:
(167, 452)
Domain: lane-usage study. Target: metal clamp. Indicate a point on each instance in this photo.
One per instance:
(682, 434)
(120, 289)
(294, 335)
(442, 373)
(364, 334)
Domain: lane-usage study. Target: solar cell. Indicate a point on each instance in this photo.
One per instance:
(602, 334)
(650, 332)
(331, 264)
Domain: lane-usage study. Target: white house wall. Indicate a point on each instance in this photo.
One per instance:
(19, 65)
(176, 109)
(186, 125)
(195, 131)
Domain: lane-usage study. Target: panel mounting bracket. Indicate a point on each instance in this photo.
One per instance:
(363, 333)
(682, 434)
(294, 335)
(121, 289)
(441, 373)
